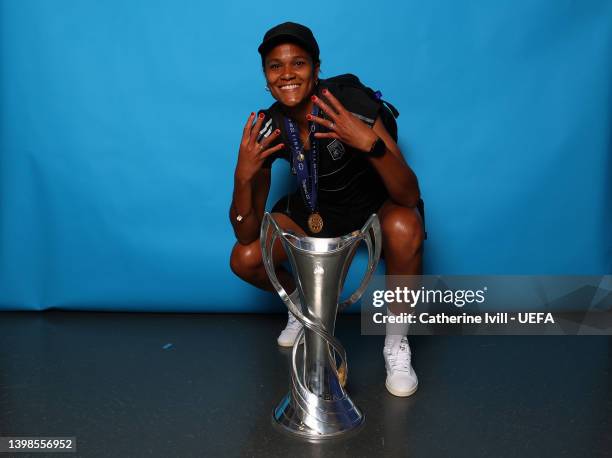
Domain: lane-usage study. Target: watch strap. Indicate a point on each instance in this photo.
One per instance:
(378, 148)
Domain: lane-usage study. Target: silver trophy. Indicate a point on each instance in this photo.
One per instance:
(318, 407)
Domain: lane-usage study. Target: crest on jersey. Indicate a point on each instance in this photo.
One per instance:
(336, 149)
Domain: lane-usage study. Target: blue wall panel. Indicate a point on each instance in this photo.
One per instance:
(120, 123)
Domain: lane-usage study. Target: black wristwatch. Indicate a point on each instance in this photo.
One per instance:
(378, 148)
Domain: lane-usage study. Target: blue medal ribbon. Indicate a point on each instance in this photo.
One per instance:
(307, 173)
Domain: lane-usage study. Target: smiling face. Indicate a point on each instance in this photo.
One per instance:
(290, 74)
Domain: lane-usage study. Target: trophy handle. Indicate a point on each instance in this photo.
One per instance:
(268, 225)
(371, 235)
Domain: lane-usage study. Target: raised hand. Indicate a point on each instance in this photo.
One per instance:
(252, 154)
(341, 124)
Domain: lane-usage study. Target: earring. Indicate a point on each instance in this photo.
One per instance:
(267, 88)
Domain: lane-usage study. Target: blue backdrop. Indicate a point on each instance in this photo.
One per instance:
(120, 123)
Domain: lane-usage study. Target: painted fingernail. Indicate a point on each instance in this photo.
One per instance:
(325, 91)
(313, 98)
(261, 115)
(309, 117)
(277, 131)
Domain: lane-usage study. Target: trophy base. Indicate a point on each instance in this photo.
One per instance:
(327, 420)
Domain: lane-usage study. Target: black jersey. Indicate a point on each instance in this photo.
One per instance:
(347, 181)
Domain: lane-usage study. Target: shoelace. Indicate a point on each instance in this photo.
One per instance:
(401, 361)
(293, 322)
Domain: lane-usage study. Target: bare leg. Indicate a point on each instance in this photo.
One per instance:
(403, 235)
(246, 260)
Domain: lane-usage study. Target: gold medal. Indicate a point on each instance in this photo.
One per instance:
(300, 157)
(315, 223)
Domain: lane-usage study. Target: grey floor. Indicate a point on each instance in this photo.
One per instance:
(128, 384)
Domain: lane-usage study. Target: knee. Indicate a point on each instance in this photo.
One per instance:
(402, 230)
(245, 259)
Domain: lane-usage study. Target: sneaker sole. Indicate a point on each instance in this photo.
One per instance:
(401, 394)
(284, 344)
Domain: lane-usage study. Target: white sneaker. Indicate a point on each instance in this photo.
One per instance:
(401, 379)
(287, 337)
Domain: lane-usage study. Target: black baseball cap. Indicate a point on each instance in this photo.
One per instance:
(289, 32)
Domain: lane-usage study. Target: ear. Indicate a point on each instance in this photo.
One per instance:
(316, 72)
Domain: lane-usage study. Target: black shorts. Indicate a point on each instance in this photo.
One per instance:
(337, 221)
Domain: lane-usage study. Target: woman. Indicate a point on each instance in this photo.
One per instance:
(337, 131)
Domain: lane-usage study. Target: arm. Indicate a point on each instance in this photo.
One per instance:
(399, 179)
(250, 200)
(251, 181)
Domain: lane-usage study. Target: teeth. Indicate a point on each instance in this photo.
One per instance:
(288, 87)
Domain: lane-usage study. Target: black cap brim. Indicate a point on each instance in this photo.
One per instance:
(290, 32)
